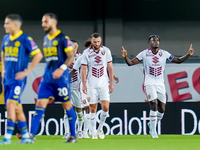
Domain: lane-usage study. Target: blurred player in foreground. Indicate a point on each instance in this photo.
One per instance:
(97, 85)
(154, 60)
(16, 48)
(55, 84)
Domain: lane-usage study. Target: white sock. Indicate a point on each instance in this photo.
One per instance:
(26, 135)
(7, 136)
(86, 123)
(159, 116)
(66, 123)
(80, 120)
(93, 123)
(153, 120)
(103, 117)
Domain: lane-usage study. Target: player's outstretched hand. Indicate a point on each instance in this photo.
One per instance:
(191, 51)
(124, 52)
(57, 73)
(21, 75)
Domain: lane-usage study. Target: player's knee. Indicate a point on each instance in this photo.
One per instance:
(153, 105)
(42, 103)
(67, 106)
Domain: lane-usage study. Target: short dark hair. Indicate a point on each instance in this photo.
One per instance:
(87, 43)
(95, 35)
(52, 16)
(15, 17)
(74, 41)
(154, 36)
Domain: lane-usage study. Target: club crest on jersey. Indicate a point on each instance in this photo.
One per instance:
(17, 44)
(88, 99)
(160, 54)
(84, 101)
(103, 52)
(148, 96)
(55, 43)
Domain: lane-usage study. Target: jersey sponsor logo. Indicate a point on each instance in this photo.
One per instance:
(149, 55)
(92, 55)
(50, 51)
(11, 51)
(97, 72)
(88, 99)
(97, 59)
(155, 60)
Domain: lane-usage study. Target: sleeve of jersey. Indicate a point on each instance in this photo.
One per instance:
(140, 56)
(77, 64)
(67, 45)
(31, 46)
(109, 57)
(169, 56)
(84, 59)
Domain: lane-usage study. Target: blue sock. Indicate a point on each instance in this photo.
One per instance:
(22, 126)
(10, 128)
(35, 123)
(72, 120)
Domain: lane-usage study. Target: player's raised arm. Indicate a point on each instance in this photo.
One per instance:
(185, 57)
(128, 61)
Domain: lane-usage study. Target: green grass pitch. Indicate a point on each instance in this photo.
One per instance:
(111, 142)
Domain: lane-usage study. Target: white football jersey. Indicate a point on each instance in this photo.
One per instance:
(97, 75)
(154, 65)
(75, 80)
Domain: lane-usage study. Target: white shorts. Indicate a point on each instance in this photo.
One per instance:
(156, 92)
(98, 94)
(84, 99)
(76, 101)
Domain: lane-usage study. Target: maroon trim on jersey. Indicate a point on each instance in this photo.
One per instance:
(77, 52)
(83, 64)
(152, 52)
(138, 59)
(109, 61)
(74, 69)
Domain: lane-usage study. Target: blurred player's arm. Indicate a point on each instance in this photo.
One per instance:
(59, 72)
(83, 77)
(111, 76)
(2, 64)
(116, 79)
(72, 73)
(185, 57)
(128, 61)
(36, 59)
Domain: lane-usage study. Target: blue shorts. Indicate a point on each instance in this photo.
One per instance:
(12, 92)
(57, 92)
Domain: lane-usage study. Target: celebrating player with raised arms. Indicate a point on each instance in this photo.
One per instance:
(154, 60)
(16, 48)
(55, 84)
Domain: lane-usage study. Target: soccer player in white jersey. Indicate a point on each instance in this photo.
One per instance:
(154, 60)
(97, 85)
(76, 101)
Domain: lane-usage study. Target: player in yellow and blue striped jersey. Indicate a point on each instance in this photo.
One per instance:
(16, 48)
(55, 84)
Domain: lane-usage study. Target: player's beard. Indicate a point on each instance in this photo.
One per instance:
(96, 48)
(47, 31)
